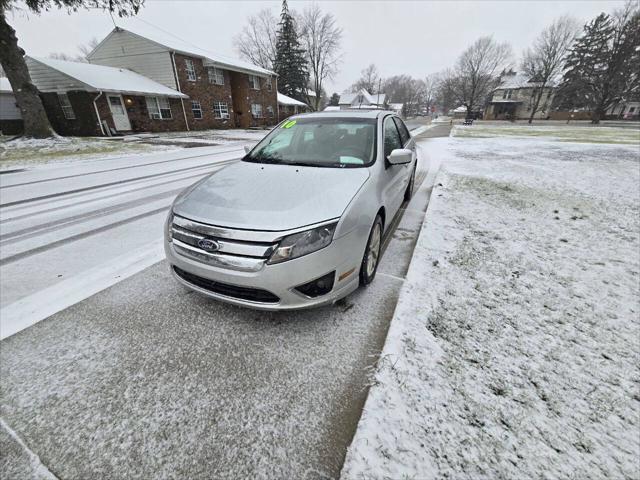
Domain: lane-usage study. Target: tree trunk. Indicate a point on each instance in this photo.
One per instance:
(537, 104)
(36, 123)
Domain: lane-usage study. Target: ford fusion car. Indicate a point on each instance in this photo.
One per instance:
(299, 221)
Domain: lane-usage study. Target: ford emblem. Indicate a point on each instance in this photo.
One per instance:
(208, 245)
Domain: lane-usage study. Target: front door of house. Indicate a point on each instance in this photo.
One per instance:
(120, 117)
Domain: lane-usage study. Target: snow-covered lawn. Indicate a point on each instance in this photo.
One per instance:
(25, 152)
(583, 133)
(514, 351)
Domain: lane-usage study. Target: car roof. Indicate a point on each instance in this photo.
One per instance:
(345, 114)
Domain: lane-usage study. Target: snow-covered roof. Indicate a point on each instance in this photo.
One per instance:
(460, 109)
(332, 108)
(171, 42)
(5, 86)
(284, 100)
(396, 106)
(109, 79)
(520, 80)
(348, 98)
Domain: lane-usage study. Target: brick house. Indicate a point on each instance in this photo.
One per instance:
(91, 100)
(288, 106)
(223, 92)
(514, 98)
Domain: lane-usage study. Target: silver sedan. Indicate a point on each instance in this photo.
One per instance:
(299, 221)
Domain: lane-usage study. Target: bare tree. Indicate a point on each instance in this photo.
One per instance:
(369, 80)
(431, 83)
(257, 41)
(87, 48)
(544, 61)
(406, 90)
(474, 75)
(320, 37)
(84, 50)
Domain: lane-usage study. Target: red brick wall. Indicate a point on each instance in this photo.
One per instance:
(206, 93)
(244, 96)
(142, 122)
(85, 123)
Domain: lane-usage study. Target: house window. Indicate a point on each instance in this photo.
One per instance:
(504, 94)
(631, 109)
(270, 112)
(256, 110)
(254, 82)
(67, 109)
(269, 82)
(159, 108)
(216, 76)
(191, 69)
(196, 109)
(220, 110)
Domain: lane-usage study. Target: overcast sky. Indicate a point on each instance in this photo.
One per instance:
(412, 37)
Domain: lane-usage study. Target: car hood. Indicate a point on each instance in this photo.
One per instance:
(257, 196)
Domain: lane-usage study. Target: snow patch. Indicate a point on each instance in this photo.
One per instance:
(513, 351)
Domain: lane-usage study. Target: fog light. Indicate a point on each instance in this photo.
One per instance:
(319, 286)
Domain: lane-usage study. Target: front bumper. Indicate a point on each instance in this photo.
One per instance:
(342, 255)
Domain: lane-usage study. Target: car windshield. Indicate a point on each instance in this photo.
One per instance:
(319, 142)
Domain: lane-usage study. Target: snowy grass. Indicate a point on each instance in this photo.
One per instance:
(25, 152)
(562, 133)
(514, 351)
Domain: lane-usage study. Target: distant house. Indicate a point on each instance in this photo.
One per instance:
(396, 107)
(514, 98)
(223, 92)
(10, 116)
(362, 100)
(87, 100)
(628, 110)
(288, 106)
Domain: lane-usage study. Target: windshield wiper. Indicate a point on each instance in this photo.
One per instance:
(263, 159)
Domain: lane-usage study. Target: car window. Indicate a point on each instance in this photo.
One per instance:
(319, 142)
(402, 128)
(391, 137)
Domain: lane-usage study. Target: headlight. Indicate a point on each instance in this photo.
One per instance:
(302, 243)
(168, 227)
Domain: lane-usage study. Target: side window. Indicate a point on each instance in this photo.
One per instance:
(402, 128)
(391, 137)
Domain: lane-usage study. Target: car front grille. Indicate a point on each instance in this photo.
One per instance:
(243, 250)
(234, 291)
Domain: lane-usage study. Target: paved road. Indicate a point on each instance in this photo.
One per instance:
(80, 225)
(147, 380)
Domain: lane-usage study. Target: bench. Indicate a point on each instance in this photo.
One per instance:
(468, 121)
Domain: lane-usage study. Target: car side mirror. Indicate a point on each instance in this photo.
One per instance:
(247, 149)
(400, 156)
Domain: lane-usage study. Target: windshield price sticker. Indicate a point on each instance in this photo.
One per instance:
(289, 124)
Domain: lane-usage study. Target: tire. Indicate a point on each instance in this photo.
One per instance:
(371, 258)
(408, 193)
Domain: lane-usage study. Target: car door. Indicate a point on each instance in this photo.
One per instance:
(394, 175)
(407, 142)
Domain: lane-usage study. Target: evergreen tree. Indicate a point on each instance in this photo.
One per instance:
(601, 68)
(334, 100)
(290, 63)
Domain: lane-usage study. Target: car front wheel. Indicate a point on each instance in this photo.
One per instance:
(369, 265)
